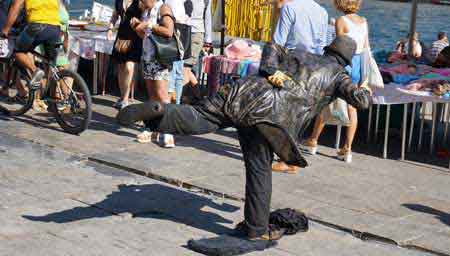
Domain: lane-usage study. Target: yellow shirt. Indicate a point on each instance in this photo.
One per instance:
(43, 12)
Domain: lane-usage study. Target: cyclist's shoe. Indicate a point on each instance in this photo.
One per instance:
(35, 82)
(62, 105)
(120, 104)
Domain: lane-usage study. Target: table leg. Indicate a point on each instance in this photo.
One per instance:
(446, 120)
(422, 123)
(433, 127)
(104, 72)
(377, 119)
(338, 136)
(405, 122)
(95, 75)
(411, 128)
(386, 131)
(369, 125)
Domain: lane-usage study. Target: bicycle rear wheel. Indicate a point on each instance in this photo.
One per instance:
(72, 103)
(15, 97)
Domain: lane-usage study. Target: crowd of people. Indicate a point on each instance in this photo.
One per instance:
(302, 71)
(139, 19)
(437, 54)
(307, 26)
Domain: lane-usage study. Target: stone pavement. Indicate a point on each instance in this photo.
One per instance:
(404, 203)
(57, 203)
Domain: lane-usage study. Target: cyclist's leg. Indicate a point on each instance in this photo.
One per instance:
(25, 44)
(49, 39)
(52, 39)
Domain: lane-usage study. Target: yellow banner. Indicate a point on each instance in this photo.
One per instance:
(252, 19)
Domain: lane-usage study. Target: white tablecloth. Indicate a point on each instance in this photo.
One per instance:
(87, 43)
(391, 95)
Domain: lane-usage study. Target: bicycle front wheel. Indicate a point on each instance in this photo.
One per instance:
(71, 102)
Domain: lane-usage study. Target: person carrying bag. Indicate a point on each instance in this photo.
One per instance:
(161, 47)
(370, 72)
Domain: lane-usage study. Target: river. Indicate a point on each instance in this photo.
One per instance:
(388, 21)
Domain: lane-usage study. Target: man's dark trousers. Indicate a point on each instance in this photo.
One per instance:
(258, 157)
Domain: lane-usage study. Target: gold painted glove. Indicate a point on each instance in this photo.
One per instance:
(278, 78)
(365, 85)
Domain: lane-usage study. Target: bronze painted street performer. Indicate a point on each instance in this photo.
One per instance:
(269, 110)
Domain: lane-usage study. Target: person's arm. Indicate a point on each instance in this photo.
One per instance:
(341, 27)
(12, 16)
(323, 35)
(112, 23)
(358, 97)
(285, 22)
(272, 58)
(165, 29)
(208, 23)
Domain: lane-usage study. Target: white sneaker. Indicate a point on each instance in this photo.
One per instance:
(147, 137)
(168, 141)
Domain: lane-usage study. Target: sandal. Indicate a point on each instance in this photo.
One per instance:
(345, 155)
(39, 105)
(282, 167)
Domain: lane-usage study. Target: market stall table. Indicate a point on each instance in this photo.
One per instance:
(392, 94)
(92, 45)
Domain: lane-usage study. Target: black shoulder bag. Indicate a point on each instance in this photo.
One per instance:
(168, 50)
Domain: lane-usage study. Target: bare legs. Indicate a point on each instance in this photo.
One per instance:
(319, 124)
(351, 129)
(125, 75)
(157, 90)
(26, 61)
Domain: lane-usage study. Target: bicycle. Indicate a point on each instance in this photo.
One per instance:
(66, 93)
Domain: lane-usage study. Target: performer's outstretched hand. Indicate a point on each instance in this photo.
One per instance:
(365, 85)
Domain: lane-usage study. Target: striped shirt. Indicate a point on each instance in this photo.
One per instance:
(436, 48)
(331, 34)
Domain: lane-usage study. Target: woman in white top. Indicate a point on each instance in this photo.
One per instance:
(157, 19)
(355, 27)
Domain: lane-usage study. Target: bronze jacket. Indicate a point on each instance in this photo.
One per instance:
(283, 114)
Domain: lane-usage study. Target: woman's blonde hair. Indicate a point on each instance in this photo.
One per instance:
(348, 6)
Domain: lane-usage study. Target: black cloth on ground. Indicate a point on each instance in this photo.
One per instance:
(291, 220)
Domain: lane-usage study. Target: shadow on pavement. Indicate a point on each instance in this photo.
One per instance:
(440, 215)
(152, 201)
(211, 146)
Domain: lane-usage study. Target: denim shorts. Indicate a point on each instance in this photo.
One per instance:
(176, 79)
(36, 34)
(355, 69)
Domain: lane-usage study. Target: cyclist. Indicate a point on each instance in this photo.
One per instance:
(17, 27)
(43, 28)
